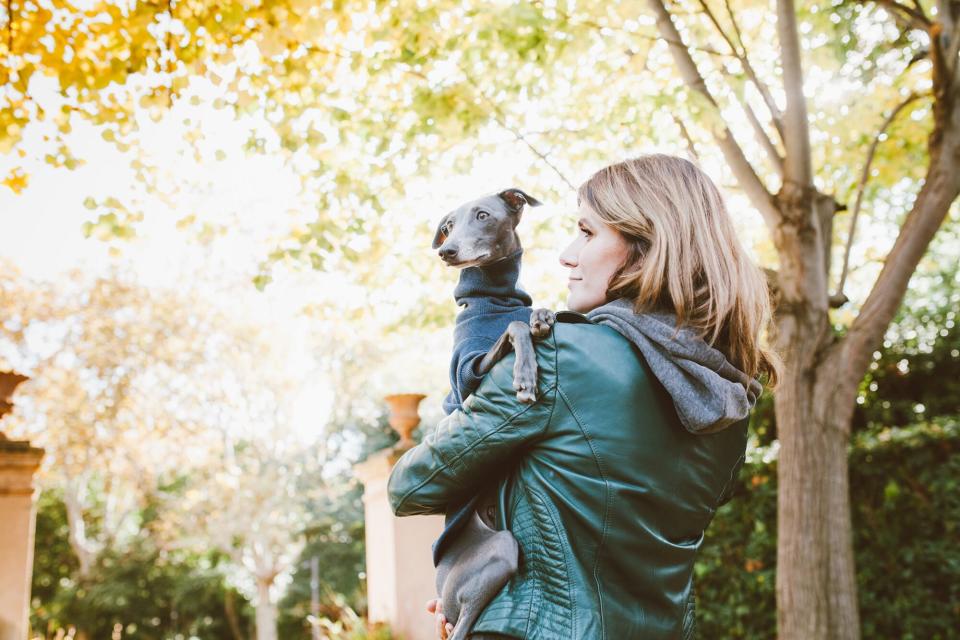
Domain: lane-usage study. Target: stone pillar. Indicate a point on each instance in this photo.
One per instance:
(400, 574)
(18, 462)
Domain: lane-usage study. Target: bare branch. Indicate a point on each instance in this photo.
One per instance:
(709, 50)
(797, 139)
(940, 188)
(691, 148)
(776, 160)
(905, 16)
(749, 180)
(740, 51)
(947, 13)
(761, 135)
(861, 187)
(916, 3)
(954, 51)
(501, 119)
(646, 36)
(10, 27)
(775, 114)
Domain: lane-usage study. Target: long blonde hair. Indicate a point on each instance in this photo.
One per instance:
(684, 255)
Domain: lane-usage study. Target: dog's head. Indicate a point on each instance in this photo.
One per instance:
(483, 230)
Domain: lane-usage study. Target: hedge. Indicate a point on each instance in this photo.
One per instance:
(905, 495)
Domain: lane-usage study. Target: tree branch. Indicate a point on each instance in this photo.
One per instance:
(940, 188)
(732, 153)
(907, 17)
(646, 36)
(954, 51)
(861, 187)
(686, 136)
(759, 133)
(10, 27)
(797, 167)
(919, 7)
(740, 51)
(776, 160)
(501, 119)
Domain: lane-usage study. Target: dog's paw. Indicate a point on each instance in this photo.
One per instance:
(526, 396)
(526, 387)
(541, 321)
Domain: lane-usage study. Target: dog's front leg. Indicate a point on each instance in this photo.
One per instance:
(518, 337)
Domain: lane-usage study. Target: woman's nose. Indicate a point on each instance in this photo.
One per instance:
(568, 257)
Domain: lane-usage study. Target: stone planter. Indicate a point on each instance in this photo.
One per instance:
(8, 383)
(404, 416)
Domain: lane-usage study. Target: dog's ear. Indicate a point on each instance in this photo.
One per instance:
(440, 235)
(515, 199)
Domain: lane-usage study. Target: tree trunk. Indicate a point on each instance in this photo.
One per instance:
(802, 605)
(230, 610)
(816, 578)
(86, 555)
(844, 622)
(802, 335)
(266, 611)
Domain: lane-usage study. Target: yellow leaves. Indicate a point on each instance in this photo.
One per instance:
(16, 181)
(186, 222)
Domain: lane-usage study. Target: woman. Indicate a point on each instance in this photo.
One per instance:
(609, 480)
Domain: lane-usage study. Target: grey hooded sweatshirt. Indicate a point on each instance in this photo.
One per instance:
(708, 392)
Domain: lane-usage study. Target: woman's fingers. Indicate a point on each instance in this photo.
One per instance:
(436, 607)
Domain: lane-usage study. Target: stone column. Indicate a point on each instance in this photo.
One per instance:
(400, 574)
(18, 462)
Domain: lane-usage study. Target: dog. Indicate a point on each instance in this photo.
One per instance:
(474, 560)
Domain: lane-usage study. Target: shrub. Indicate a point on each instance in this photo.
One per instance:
(905, 496)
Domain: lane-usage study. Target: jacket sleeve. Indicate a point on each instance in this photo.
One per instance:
(472, 445)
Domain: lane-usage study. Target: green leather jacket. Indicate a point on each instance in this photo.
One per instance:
(606, 493)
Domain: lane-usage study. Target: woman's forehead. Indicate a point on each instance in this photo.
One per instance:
(589, 216)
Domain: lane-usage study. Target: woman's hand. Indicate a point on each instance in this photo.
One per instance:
(444, 628)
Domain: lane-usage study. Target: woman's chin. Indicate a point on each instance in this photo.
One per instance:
(575, 304)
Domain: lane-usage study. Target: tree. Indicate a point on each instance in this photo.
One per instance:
(97, 349)
(363, 97)
(121, 377)
(816, 588)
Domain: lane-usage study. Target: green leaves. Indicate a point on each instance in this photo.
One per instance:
(903, 489)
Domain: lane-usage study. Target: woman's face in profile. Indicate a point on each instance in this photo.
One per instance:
(593, 257)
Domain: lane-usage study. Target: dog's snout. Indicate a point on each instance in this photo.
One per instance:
(449, 253)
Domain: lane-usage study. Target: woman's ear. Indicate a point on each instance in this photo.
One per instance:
(515, 199)
(440, 235)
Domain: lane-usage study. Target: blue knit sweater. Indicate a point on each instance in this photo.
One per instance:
(492, 299)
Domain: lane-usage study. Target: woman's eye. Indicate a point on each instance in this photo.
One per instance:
(481, 215)
(586, 232)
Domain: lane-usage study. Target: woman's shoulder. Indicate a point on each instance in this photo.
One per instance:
(575, 331)
(584, 346)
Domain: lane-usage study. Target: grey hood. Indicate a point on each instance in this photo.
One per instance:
(709, 393)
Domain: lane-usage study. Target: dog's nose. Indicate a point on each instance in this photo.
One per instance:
(448, 254)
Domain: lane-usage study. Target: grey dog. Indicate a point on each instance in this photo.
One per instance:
(478, 560)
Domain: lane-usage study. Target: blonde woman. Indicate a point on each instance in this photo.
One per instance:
(609, 480)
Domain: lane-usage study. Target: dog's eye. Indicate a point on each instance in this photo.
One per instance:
(446, 228)
(482, 214)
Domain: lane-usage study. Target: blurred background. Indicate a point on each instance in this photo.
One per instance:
(215, 262)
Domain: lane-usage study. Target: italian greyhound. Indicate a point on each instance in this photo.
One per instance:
(474, 560)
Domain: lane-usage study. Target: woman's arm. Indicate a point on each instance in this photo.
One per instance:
(471, 446)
